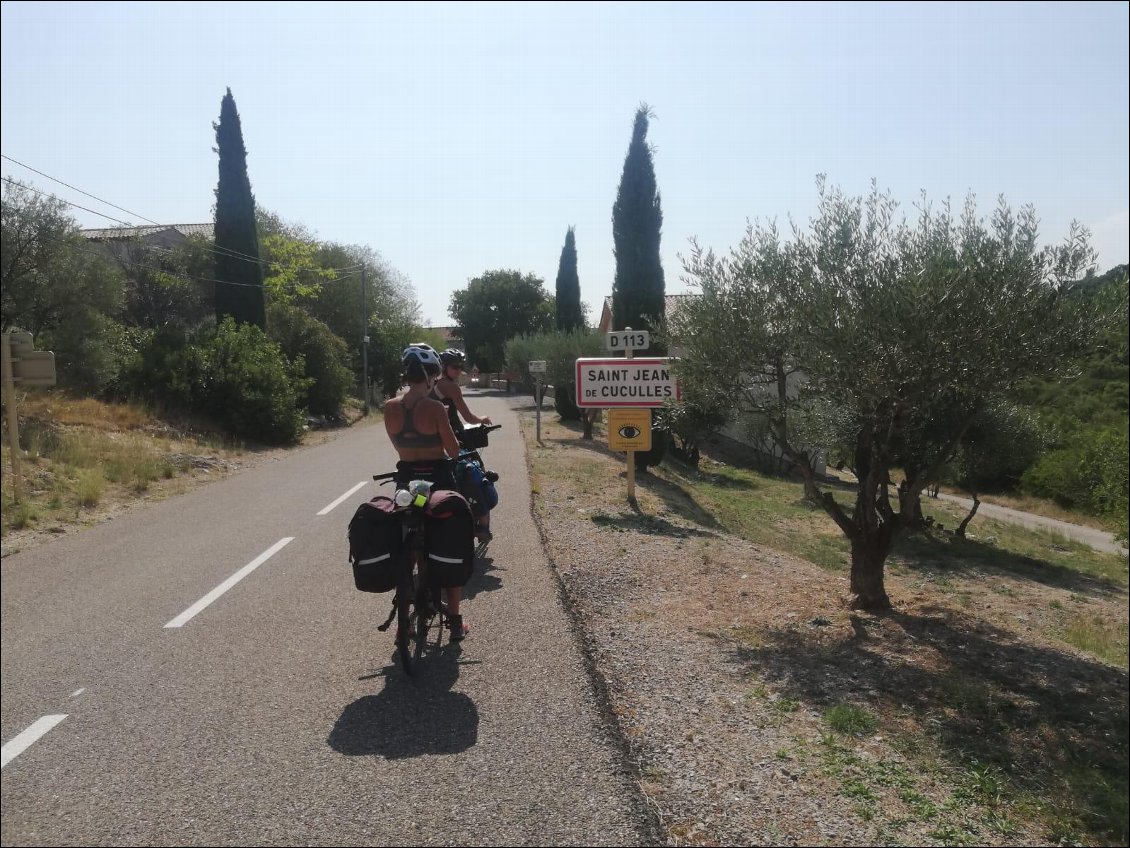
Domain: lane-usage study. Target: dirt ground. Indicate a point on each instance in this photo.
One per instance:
(725, 663)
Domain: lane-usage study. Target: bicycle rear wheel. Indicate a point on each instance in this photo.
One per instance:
(405, 619)
(429, 619)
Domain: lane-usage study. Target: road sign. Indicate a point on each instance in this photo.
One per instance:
(21, 343)
(629, 429)
(537, 366)
(644, 382)
(627, 340)
(34, 368)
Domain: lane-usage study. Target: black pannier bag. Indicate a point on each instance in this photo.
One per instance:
(450, 538)
(376, 543)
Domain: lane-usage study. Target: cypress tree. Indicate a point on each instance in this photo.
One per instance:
(638, 289)
(237, 240)
(570, 316)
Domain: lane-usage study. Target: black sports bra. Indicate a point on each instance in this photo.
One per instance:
(410, 437)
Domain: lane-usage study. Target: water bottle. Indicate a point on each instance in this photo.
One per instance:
(420, 489)
(402, 498)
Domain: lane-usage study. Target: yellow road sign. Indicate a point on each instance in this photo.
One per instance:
(629, 429)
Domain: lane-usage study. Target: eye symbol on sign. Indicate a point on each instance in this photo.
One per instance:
(630, 431)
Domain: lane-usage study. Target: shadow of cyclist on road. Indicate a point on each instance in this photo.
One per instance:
(483, 580)
(410, 717)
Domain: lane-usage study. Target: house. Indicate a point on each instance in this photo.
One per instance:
(670, 304)
(118, 240)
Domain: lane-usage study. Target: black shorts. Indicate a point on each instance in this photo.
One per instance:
(438, 471)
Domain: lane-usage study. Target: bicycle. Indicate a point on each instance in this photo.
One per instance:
(417, 606)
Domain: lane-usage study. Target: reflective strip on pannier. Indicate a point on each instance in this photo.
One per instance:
(452, 560)
(371, 560)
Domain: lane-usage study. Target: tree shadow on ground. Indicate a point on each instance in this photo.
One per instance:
(650, 524)
(674, 496)
(1054, 724)
(696, 474)
(945, 554)
(678, 500)
(410, 716)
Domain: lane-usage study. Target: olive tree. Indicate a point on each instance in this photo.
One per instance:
(883, 337)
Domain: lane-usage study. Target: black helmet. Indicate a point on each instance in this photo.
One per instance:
(452, 356)
(422, 354)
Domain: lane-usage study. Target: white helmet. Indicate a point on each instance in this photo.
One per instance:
(424, 354)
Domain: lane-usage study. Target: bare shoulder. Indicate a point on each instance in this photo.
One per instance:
(433, 406)
(393, 409)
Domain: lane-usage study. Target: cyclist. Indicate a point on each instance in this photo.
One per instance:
(448, 392)
(422, 435)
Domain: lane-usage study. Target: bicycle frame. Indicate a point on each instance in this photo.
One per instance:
(416, 606)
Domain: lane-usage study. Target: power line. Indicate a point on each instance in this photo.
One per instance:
(45, 194)
(80, 191)
(215, 248)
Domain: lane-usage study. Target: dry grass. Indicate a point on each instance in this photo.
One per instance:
(84, 460)
(85, 412)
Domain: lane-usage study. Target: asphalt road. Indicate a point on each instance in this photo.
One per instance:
(275, 714)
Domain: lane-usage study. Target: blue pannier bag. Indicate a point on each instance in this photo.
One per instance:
(475, 483)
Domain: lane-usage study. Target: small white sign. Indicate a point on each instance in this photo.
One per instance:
(537, 366)
(627, 340)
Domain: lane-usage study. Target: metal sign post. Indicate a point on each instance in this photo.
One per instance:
(631, 456)
(13, 418)
(537, 368)
(24, 366)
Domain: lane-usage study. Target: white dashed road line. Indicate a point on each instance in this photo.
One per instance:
(185, 616)
(326, 509)
(27, 738)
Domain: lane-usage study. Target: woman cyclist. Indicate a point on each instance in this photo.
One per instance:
(421, 433)
(448, 392)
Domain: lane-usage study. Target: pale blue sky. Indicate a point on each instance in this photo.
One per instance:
(458, 138)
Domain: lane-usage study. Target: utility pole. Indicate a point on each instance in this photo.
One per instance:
(13, 419)
(364, 344)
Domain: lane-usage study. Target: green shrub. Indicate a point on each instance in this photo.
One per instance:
(326, 357)
(159, 370)
(90, 350)
(560, 350)
(244, 381)
(232, 374)
(1090, 473)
